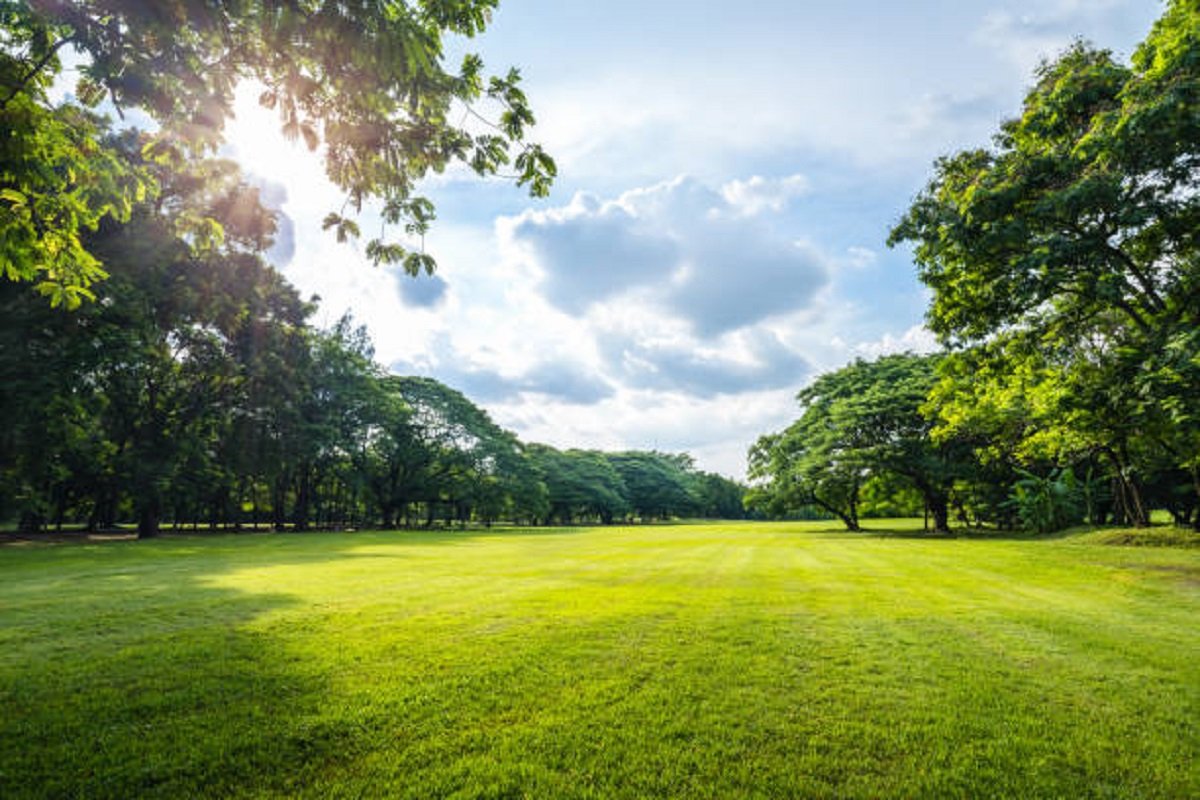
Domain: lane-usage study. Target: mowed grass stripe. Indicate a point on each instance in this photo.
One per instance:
(743, 660)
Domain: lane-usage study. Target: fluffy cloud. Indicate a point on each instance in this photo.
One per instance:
(679, 247)
(917, 339)
(1027, 38)
(590, 251)
(758, 194)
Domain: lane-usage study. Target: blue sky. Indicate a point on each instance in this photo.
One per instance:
(728, 176)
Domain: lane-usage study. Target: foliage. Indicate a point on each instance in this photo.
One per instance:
(657, 486)
(580, 484)
(366, 83)
(58, 179)
(1048, 504)
(1066, 258)
(859, 422)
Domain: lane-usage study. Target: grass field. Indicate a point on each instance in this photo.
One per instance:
(756, 660)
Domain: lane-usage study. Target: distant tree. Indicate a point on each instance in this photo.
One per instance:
(580, 484)
(718, 497)
(656, 486)
(434, 446)
(887, 494)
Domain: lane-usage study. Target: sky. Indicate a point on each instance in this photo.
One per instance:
(728, 175)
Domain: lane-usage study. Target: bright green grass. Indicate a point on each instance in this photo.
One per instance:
(689, 661)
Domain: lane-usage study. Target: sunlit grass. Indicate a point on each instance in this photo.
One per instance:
(692, 661)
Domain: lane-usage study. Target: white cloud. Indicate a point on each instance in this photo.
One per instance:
(677, 246)
(759, 194)
(860, 257)
(751, 360)
(917, 339)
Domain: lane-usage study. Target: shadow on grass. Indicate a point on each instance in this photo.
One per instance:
(125, 673)
(1152, 536)
(127, 670)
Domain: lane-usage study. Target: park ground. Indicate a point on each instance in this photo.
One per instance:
(698, 660)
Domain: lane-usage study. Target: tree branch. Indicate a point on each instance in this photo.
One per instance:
(34, 70)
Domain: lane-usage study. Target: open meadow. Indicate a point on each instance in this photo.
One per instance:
(705, 660)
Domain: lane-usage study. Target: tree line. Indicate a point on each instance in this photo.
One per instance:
(195, 392)
(1064, 268)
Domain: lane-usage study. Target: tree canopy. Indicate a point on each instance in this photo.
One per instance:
(862, 421)
(364, 82)
(1065, 269)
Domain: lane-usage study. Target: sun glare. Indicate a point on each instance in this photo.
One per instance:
(254, 139)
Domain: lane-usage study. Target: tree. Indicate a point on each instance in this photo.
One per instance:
(153, 387)
(436, 447)
(718, 497)
(861, 421)
(656, 485)
(580, 483)
(1074, 243)
(794, 471)
(57, 178)
(364, 80)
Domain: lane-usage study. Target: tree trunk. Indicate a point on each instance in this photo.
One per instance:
(279, 502)
(1129, 494)
(940, 509)
(31, 522)
(1196, 511)
(148, 520)
(300, 511)
(849, 517)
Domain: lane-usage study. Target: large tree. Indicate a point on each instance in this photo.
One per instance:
(1073, 242)
(365, 81)
(580, 484)
(862, 420)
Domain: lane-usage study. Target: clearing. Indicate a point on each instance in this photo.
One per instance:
(715, 660)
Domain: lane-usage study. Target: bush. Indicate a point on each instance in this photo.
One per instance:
(1048, 504)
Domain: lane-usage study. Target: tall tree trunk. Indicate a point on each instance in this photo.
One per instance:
(1196, 511)
(31, 522)
(300, 512)
(279, 501)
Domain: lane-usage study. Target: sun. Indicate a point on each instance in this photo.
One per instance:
(254, 139)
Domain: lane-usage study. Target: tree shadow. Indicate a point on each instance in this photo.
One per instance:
(127, 671)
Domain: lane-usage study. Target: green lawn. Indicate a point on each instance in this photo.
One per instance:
(752, 660)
